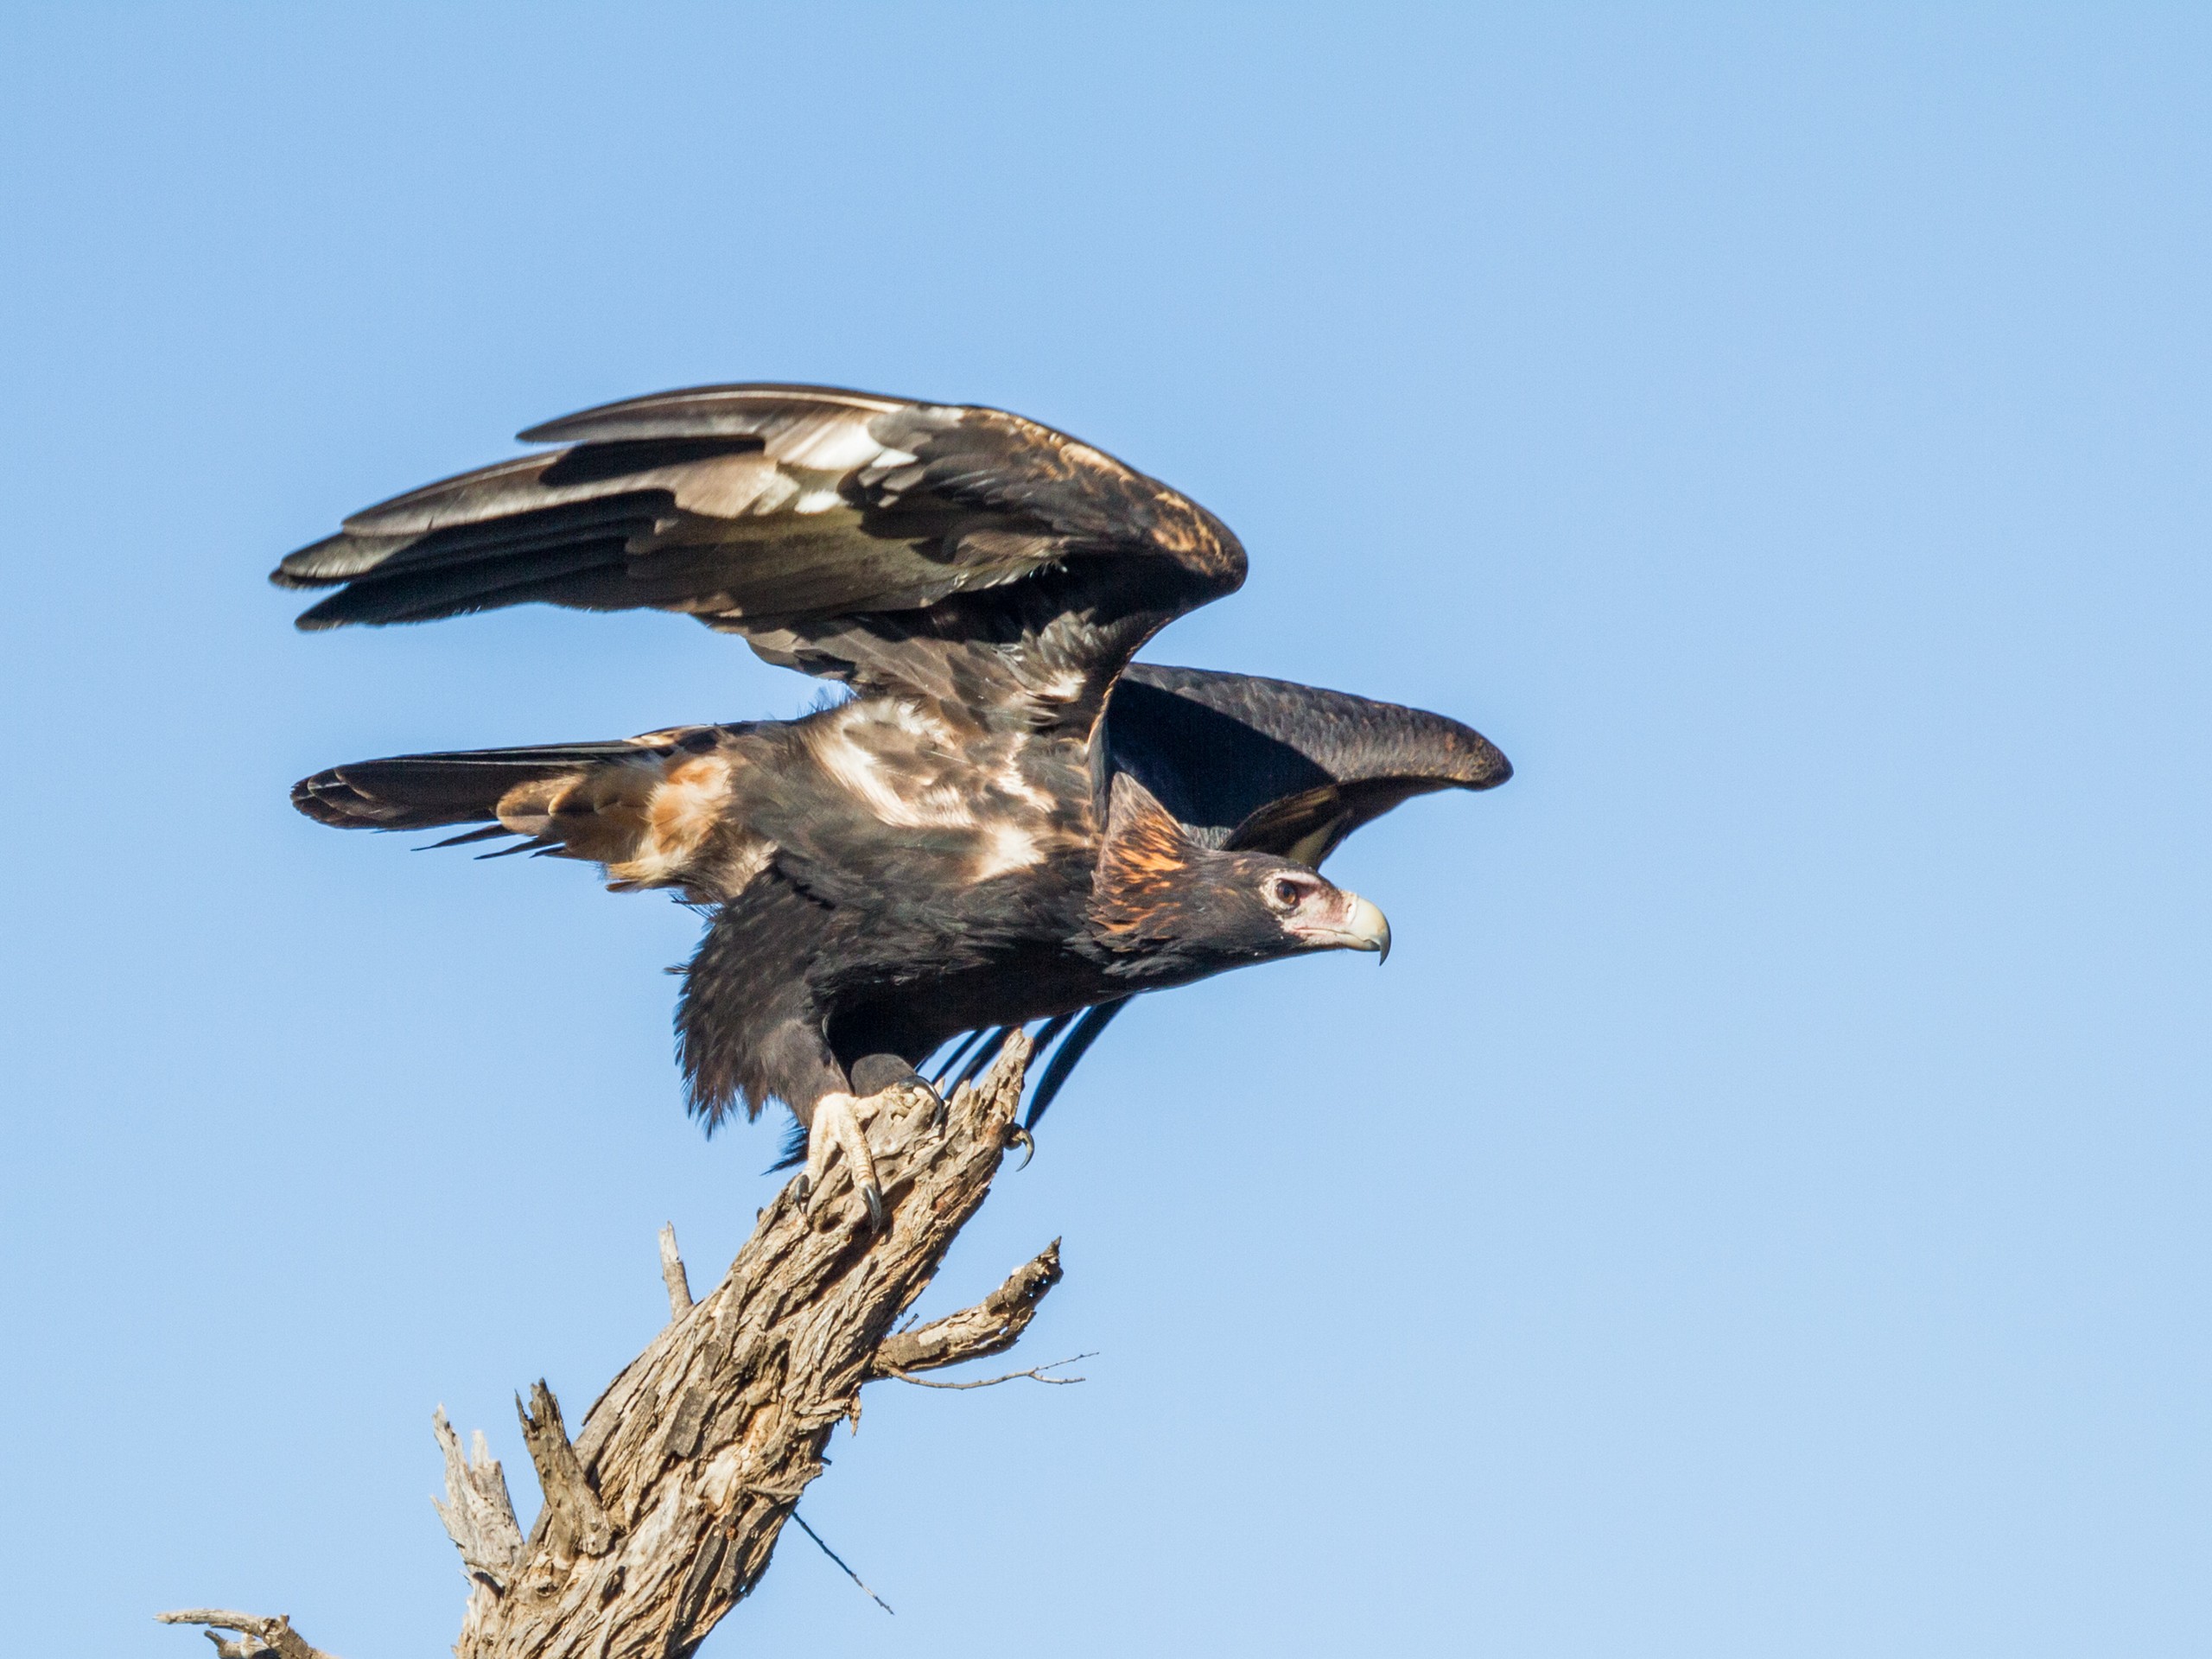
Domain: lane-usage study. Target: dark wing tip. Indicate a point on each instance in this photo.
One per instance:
(1485, 765)
(1451, 753)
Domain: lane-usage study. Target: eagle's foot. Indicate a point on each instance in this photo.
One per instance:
(836, 1128)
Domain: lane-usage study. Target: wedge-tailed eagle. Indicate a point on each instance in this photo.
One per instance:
(1006, 820)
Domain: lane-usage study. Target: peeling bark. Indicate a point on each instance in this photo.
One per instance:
(662, 1513)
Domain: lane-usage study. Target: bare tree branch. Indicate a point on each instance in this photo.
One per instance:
(992, 1326)
(1034, 1374)
(663, 1511)
(256, 1636)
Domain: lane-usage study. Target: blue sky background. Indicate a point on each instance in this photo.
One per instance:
(1760, 1209)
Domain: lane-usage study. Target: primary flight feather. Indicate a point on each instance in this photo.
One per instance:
(1007, 822)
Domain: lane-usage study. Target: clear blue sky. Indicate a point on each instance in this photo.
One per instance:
(1759, 1210)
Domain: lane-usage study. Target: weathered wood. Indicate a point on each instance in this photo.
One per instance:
(256, 1636)
(662, 1512)
(673, 1274)
(992, 1326)
(480, 1518)
(571, 1524)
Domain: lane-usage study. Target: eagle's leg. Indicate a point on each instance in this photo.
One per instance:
(836, 1128)
(839, 1124)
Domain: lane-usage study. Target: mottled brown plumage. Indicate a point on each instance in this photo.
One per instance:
(1006, 822)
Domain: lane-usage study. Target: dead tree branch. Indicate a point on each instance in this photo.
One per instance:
(662, 1512)
(256, 1636)
(992, 1326)
(1033, 1373)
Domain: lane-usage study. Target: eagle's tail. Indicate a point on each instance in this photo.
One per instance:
(644, 807)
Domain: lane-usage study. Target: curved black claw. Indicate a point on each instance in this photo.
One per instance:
(1018, 1136)
(878, 1221)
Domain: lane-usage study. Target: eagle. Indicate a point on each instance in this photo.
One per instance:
(1001, 819)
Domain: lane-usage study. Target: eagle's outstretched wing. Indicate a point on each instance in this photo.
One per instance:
(1270, 767)
(961, 553)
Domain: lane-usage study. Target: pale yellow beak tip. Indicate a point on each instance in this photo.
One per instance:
(1369, 928)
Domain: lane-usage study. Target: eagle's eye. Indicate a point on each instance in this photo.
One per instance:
(1284, 893)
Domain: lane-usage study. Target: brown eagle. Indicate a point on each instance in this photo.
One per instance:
(1007, 820)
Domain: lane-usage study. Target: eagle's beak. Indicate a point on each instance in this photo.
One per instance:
(1355, 927)
(1367, 928)
(1344, 921)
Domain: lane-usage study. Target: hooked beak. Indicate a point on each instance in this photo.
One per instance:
(1367, 929)
(1362, 927)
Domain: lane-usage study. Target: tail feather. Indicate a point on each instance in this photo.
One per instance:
(427, 791)
(490, 832)
(644, 807)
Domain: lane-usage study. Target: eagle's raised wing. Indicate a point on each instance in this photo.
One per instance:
(1270, 767)
(960, 553)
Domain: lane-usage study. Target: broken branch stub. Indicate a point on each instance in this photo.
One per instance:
(663, 1511)
(673, 1274)
(480, 1518)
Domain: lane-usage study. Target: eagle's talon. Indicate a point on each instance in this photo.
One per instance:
(1018, 1136)
(836, 1128)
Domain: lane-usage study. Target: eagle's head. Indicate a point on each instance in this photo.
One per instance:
(1308, 909)
(1165, 907)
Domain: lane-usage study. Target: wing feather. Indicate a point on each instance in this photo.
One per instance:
(950, 550)
(1267, 765)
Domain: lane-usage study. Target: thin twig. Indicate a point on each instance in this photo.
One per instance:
(839, 1559)
(1035, 1373)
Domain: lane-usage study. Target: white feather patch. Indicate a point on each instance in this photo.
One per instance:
(834, 443)
(1006, 847)
(861, 769)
